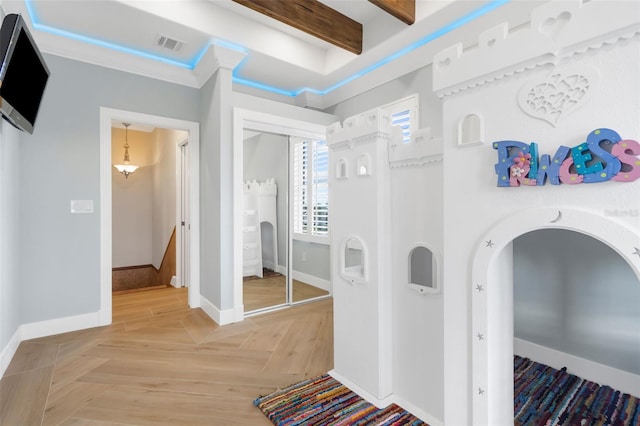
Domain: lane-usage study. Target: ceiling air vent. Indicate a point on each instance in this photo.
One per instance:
(169, 42)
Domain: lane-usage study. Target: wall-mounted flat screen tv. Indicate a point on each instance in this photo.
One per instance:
(23, 74)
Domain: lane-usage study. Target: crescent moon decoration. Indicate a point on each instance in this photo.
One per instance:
(557, 218)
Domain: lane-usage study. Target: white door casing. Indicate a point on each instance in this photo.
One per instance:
(107, 116)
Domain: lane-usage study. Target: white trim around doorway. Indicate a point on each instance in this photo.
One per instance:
(107, 116)
(491, 290)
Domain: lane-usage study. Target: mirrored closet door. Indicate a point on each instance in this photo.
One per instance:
(285, 238)
(265, 220)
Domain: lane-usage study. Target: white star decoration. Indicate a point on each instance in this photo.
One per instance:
(480, 391)
(489, 243)
(479, 288)
(480, 336)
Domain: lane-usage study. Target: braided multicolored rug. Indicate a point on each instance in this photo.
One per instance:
(323, 401)
(546, 396)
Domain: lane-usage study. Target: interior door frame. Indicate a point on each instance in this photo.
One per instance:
(263, 122)
(107, 116)
(182, 197)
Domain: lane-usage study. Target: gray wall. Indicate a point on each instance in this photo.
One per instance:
(163, 216)
(9, 224)
(312, 259)
(575, 294)
(211, 271)
(10, 290)
(60, 252)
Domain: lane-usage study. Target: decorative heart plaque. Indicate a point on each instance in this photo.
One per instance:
(559, 94)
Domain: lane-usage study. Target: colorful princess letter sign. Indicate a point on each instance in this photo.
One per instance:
(604, 156)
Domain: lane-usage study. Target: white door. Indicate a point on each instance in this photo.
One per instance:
(185, 223)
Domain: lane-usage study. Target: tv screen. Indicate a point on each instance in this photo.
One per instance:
(23, 75)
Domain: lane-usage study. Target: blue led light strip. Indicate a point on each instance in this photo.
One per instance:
(256, 84)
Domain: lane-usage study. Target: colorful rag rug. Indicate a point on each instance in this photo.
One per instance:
(546, 396)
(323, 401)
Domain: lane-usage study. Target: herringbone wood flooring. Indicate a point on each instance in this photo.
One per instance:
(162, 363)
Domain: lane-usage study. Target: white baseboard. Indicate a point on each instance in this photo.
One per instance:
(227, 316)
(589, 370)
(47, 328)
(9, 351)
(384, 402)
(105, 316)
(59, 325)
(418, 412)
(312, 280)
(378, 402)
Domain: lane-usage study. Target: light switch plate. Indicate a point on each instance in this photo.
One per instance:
(81, 206)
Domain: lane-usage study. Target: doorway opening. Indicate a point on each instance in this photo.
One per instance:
(575, 304)
(185, 204)
(492, 299)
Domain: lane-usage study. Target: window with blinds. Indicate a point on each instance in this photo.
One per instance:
(300, 186)
(310, 170)
(402, 119)
(320, 190)
(404, 114)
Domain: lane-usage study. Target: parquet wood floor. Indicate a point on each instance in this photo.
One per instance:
(162, 363)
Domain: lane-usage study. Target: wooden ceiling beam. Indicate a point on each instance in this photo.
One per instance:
(404, 10)
(313, 17)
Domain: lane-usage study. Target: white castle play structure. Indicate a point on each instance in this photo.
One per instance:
(260, 227)
(540, 129)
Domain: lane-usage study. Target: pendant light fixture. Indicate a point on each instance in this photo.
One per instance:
(125, 168)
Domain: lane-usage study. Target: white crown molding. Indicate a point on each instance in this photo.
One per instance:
(113, 59)
(216, 57)
(557, 30)
(351, 77)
